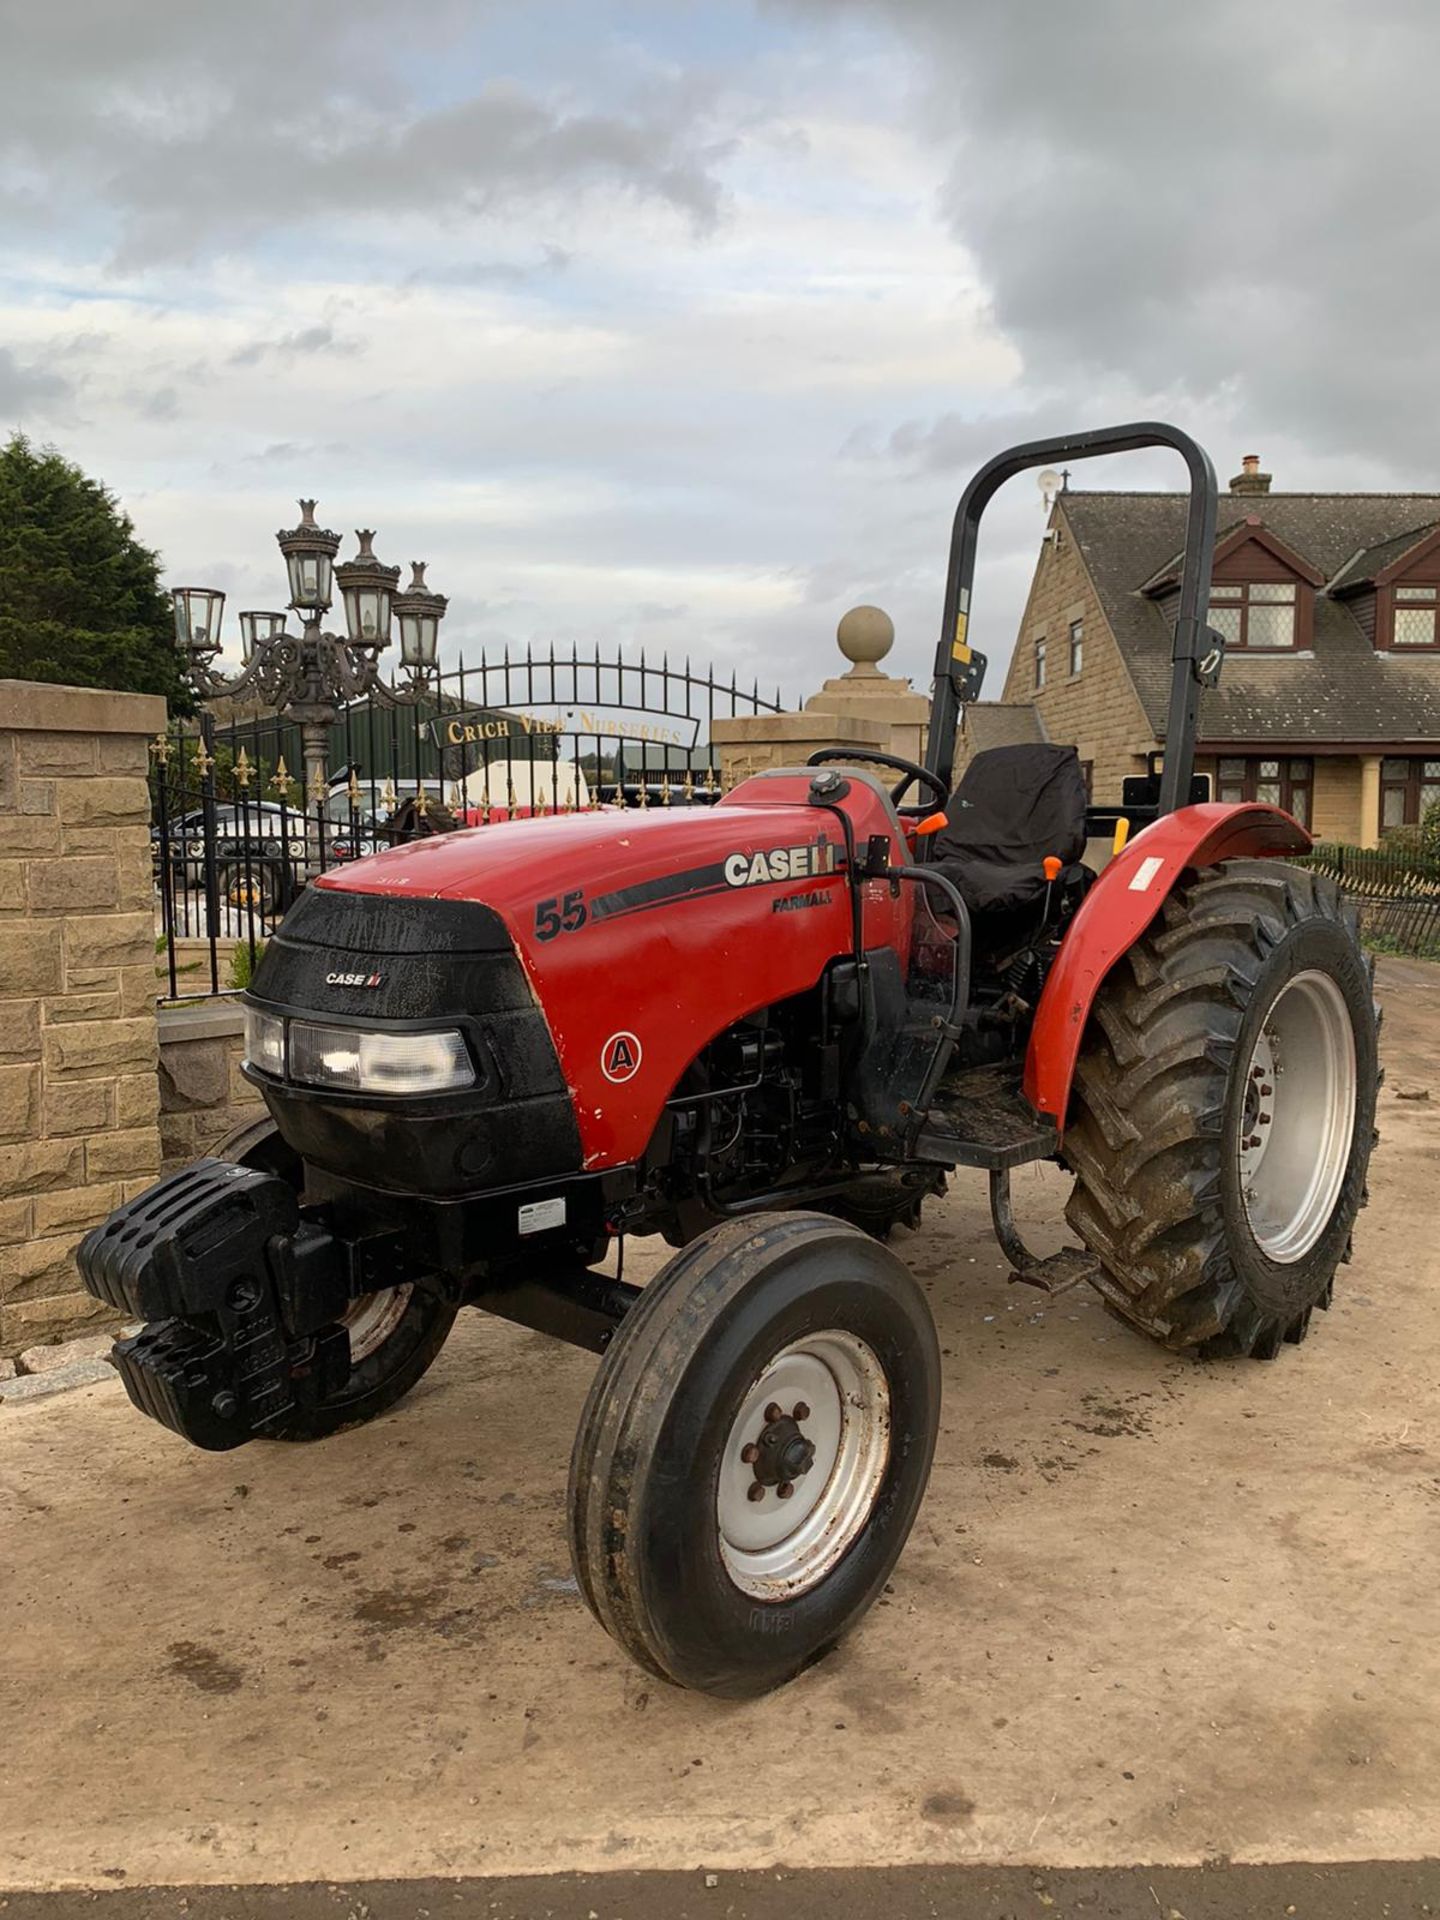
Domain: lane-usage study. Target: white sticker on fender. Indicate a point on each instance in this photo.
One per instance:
(1145, 873)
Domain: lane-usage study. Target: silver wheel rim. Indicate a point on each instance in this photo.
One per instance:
(776, 1546)
(1298, 1117)
(372, 1319)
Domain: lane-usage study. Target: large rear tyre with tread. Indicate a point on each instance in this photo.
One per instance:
(754, 1450)
(395, 1332)
(1223, 1110)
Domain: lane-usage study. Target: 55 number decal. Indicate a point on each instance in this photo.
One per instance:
(564, 913)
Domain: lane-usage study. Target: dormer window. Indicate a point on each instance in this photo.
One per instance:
(1258, 615)
(1415, 609)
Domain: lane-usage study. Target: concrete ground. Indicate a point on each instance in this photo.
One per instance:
(1153, 1611)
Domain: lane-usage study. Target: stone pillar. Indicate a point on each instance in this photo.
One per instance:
(79, 1098)
(763, 740)
(861, 708)
(865, 635)
(1370, 800)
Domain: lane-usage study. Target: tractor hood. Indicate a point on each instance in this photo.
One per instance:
(632, 936)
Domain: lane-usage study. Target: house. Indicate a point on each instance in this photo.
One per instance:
(1329, 702)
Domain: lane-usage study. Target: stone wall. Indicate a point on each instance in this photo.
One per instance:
(79, 1102)
(203, 1094)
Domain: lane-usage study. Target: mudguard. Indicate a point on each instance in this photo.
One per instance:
(1117, 910)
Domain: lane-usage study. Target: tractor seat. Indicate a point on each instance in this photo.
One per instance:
(1013, 806)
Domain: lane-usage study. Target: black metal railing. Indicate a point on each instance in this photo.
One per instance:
(235, 835)
(1396, 890)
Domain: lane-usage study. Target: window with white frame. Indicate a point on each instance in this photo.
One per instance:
(1077, 646)
(1040, 663)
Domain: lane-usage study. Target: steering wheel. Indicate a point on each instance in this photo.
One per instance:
(911, 769)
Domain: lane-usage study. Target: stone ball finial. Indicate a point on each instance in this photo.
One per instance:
(865, 635)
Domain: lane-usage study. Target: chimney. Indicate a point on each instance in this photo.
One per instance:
(1250, 479)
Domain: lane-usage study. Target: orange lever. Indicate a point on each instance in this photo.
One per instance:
(932, 823)
(1052, 865)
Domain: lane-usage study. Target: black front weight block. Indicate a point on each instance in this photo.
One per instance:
(243, 1296)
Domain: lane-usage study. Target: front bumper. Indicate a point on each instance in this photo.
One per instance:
(243, 1296)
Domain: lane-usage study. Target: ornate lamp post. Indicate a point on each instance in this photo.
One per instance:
(313, 675)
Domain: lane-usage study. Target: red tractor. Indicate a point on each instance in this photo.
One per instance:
(767, 1031)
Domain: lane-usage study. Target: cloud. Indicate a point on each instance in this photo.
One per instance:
(202, 132)
(308, 340)
(687, 325)
(29, 392)
(1229, 205)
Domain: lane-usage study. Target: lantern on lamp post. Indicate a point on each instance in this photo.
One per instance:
(421, 610)
(312, 676)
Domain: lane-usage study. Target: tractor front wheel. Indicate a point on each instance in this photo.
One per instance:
(1224, 1108)
(395, 1333)
(754, 1450)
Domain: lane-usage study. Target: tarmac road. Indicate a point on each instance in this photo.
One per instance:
(1153, 1611)
(1365, 1890)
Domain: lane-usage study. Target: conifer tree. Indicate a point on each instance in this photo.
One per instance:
(80, 598)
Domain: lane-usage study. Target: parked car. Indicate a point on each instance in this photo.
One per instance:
(260, 851)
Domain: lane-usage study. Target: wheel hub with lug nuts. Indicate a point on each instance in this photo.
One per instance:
(782, 1454)
(803, 1465)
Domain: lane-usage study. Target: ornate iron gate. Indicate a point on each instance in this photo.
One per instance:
(235, 837)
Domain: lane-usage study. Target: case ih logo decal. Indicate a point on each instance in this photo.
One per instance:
(353, 979)
(809, 862)
(817, 860)
(620, 1057)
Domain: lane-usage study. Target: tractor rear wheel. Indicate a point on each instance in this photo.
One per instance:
(754, 1450)
(1223, 1110)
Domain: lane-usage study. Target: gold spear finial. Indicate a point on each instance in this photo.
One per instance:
(280, 779)
(160, 747)
(243, 769)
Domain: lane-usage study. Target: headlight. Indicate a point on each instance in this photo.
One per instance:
(378, 1062)
(264, 1041)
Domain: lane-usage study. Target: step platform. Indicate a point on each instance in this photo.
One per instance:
(981, 1119)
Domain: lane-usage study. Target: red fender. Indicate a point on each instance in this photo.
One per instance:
(1117, 910)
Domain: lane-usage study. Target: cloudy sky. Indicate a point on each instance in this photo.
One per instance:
(681, 324)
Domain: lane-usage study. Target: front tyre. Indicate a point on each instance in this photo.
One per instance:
(1224, 1110)
(395, 1332)
(753, 1451)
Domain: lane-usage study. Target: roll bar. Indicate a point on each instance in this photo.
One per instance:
(1196, 651)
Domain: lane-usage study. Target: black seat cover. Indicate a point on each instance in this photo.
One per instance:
(1013, 806)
